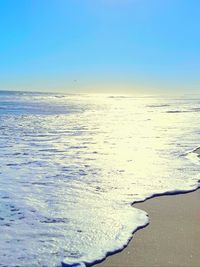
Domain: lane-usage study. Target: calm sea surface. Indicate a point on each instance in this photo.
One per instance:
(72, 165)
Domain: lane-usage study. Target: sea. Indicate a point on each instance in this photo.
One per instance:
(73, 165)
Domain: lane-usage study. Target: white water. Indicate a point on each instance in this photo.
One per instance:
(70, 167)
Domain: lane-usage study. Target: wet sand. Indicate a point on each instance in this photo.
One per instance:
(171, 239)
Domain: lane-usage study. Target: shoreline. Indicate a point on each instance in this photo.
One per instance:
(172, 237)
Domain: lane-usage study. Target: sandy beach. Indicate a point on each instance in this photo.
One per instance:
(171, 239)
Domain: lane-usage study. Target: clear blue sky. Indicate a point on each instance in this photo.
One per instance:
(47, 44)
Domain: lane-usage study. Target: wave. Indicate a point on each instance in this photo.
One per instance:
(72, 168)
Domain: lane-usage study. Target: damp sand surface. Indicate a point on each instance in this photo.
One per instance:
(172, 239)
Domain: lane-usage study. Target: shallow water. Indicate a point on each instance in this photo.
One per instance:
(71, 165)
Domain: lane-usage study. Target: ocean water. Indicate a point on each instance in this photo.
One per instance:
(72, 165)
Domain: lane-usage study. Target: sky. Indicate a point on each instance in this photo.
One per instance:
(99, 45)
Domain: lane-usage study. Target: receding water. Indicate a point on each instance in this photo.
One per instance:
(71, 166)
